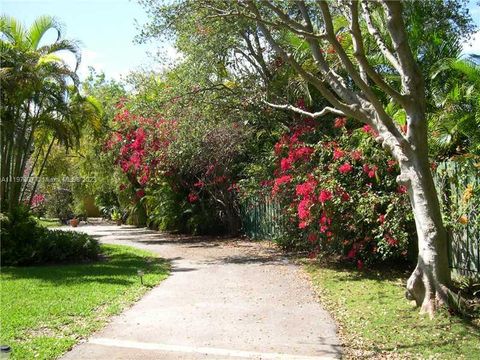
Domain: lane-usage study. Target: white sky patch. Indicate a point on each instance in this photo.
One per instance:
(472, 46)
(90, 58)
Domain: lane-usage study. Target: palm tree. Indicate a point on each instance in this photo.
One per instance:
(35, 81)
(455, 123)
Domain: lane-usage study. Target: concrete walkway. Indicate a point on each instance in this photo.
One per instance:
(225, 299)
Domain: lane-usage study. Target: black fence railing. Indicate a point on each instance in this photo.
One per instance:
(456, 183)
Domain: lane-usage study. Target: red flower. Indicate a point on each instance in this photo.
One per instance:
(285, 179)
(356, 155)
(381, 218)
(199, 184)
(301, 104)
(122, 187)
(402, 189)
(345, 168)
(391, 165)
(325, 196)
(143, 180)
(303, 209)
(312, 237)
(359, 264)
(307, 188)
(278, 147)
(286, 163)
(339, 122)
(303, 152)
(140, 193)
(338, 153)
(370, 171)
(192, 197)
(324, 219)
(390, 240)
(369, 130)
(345, 196)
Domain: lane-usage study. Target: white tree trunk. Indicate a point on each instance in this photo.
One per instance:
(429, 282)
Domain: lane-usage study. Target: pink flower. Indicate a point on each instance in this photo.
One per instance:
(390, 240)
(370, 171)
(402, 189)
(345, 168)
(356, 155)
(38, 199)
(192, 197)
(369, 130)
(339, 122)
(325, 196)
(391, 165)
(359, 264)
(312, 237)
(352, 253)
(307, 188)
(303, 209)
(285, 179)
(381, 218)
(303, 152)
(345, 196)
(286, 163)
(302, 224)
(338, 153)
(199, 184)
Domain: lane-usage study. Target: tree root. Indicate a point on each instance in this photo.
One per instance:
(430, 294)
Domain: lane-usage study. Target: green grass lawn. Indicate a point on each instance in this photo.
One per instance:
(48, 222)
(45, 310)
(376, 321)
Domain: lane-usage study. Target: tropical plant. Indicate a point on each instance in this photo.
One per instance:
(39, 98)
(455, 123)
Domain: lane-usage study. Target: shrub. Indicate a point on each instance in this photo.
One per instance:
(24, 242)
(338, 194)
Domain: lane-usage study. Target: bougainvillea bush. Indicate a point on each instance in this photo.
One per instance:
(337, 192)
(179, 175)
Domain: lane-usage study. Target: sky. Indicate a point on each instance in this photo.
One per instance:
(107, 28)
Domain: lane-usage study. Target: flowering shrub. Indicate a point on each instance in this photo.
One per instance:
(338, 194)
(182, 176)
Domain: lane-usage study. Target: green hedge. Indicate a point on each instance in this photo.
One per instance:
(24, 242)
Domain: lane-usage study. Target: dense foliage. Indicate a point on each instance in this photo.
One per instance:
(24, 242)
(337, 193)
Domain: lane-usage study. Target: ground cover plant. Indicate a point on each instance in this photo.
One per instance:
(45, 310)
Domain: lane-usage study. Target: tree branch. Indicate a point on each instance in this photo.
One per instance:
(378, 39)
(314, 115)
(359, 53)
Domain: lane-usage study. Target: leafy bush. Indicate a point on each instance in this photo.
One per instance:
(338, 194)
(24, 242)
(59, 204)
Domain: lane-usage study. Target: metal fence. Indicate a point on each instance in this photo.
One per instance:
(261, 216)
(455, 182)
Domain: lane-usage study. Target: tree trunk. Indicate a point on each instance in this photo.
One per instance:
(429, 282)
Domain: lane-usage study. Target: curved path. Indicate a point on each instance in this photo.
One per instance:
(225, 299)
